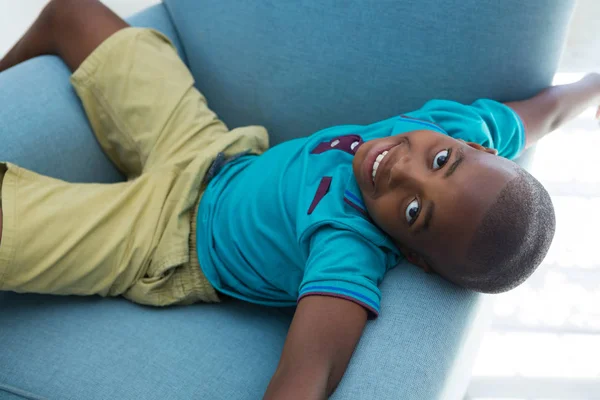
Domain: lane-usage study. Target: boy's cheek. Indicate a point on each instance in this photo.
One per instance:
(384, 219)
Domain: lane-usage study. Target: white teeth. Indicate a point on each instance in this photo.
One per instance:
(377, 162)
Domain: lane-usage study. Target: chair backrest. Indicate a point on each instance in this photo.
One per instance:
(297, 66)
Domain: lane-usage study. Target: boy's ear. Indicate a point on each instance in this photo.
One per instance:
(415, 258)
(479, 147)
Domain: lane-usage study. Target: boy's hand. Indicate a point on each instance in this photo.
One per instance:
(595, 78)
(320, 342)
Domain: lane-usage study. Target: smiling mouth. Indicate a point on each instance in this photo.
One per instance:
(377, 163)
(383, 164)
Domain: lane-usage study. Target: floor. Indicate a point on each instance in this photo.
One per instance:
(544, 343)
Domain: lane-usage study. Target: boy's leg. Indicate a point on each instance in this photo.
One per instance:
(71, 29)
(78, 239)
(146, 113)
(138, 95)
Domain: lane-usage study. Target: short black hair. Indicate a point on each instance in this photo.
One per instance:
(512, 239)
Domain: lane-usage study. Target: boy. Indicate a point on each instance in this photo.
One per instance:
(317, 221)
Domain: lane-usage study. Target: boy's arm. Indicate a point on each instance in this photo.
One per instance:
(319, 344)
(556, 105)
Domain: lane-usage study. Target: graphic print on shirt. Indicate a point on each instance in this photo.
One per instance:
(348, 144)
(321, 192)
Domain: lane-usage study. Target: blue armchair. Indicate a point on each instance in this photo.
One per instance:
(295, 67)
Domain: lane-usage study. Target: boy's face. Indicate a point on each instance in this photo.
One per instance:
(429, 193)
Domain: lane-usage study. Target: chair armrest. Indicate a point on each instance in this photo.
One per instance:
(43, 126)
(424, 343)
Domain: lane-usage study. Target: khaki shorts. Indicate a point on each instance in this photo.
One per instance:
(134, 238)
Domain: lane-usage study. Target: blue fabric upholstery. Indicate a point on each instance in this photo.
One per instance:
(299, 66)
(294, 67)
(94, 348)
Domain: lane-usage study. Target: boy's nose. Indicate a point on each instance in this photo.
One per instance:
(404, 174)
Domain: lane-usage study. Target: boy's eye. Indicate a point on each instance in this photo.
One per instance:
(412, 211)
(440, 159)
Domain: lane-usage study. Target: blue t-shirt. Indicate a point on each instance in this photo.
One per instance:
(291, 222)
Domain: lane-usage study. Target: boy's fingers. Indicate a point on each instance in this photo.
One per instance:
(598, 113)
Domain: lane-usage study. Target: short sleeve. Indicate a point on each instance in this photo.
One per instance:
(343, 264)
(486, 122)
